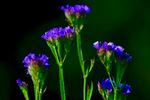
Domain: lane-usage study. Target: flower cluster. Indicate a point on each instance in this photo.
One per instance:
(109, 48)
(125, 89)
(75, 10)
(107, 85)
(59, 40)
(56, 33)
(21, 83)
(31, 59)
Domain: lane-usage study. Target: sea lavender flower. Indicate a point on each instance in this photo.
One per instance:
(32, 60)
(105, 84)
(126, 89)
(58, 33)
(76, 10)
(107, 48)
(23, 87)
(103, 47)
(20, 83)
(37, 66)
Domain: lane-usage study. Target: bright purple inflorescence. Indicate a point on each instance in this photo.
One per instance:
(32, 59)
(70, 10)
(126, 89)
(106, 84)
(60, 32)
(110, 46)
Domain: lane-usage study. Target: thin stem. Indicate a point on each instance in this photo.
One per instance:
(115, 94)
(36, 90)
(61, 81)
(79, 50)
(40, 94)
(80, 55)
(84, 89)
(25, 93)
(57, 54)
(114, 88)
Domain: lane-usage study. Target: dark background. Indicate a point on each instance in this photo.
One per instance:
(127, 23)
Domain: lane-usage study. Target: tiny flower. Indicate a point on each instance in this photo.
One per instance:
(106, 84)
(21, 83)
(76, 10)
(58, 33)
(97, 45)
(119, 50)
(31, 60)
(126, 89)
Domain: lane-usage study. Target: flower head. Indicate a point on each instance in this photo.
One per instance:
(105, 85)
(76, 11)
(107, 48)
(21, 83)
(57, 33)
(126, 89)
(31, 59)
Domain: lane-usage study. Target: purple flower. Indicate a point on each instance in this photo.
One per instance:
(106, 84)
(102, 48)
(76, 9)
(32, 59)
(21, 83)
(126, 89)
(119, 50)
(56, 33)
(105, 45)
(97, 45)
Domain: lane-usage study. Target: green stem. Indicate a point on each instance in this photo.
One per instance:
(114, 88)
(61, 81)
(79, 50)
(110, 80)
(115, 94)
(57, 54)
(25, 93)
(26, 96)
(84, 89)
(36, 90)
(40, 94)
(81, 61)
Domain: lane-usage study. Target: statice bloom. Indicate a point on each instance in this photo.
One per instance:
(21, 83)
(109, 47)
(126, 89)
(105, 84)
(58, 33)
(76, 10)
(31, 60)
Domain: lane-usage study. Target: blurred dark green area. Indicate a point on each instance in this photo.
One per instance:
(126, 23)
